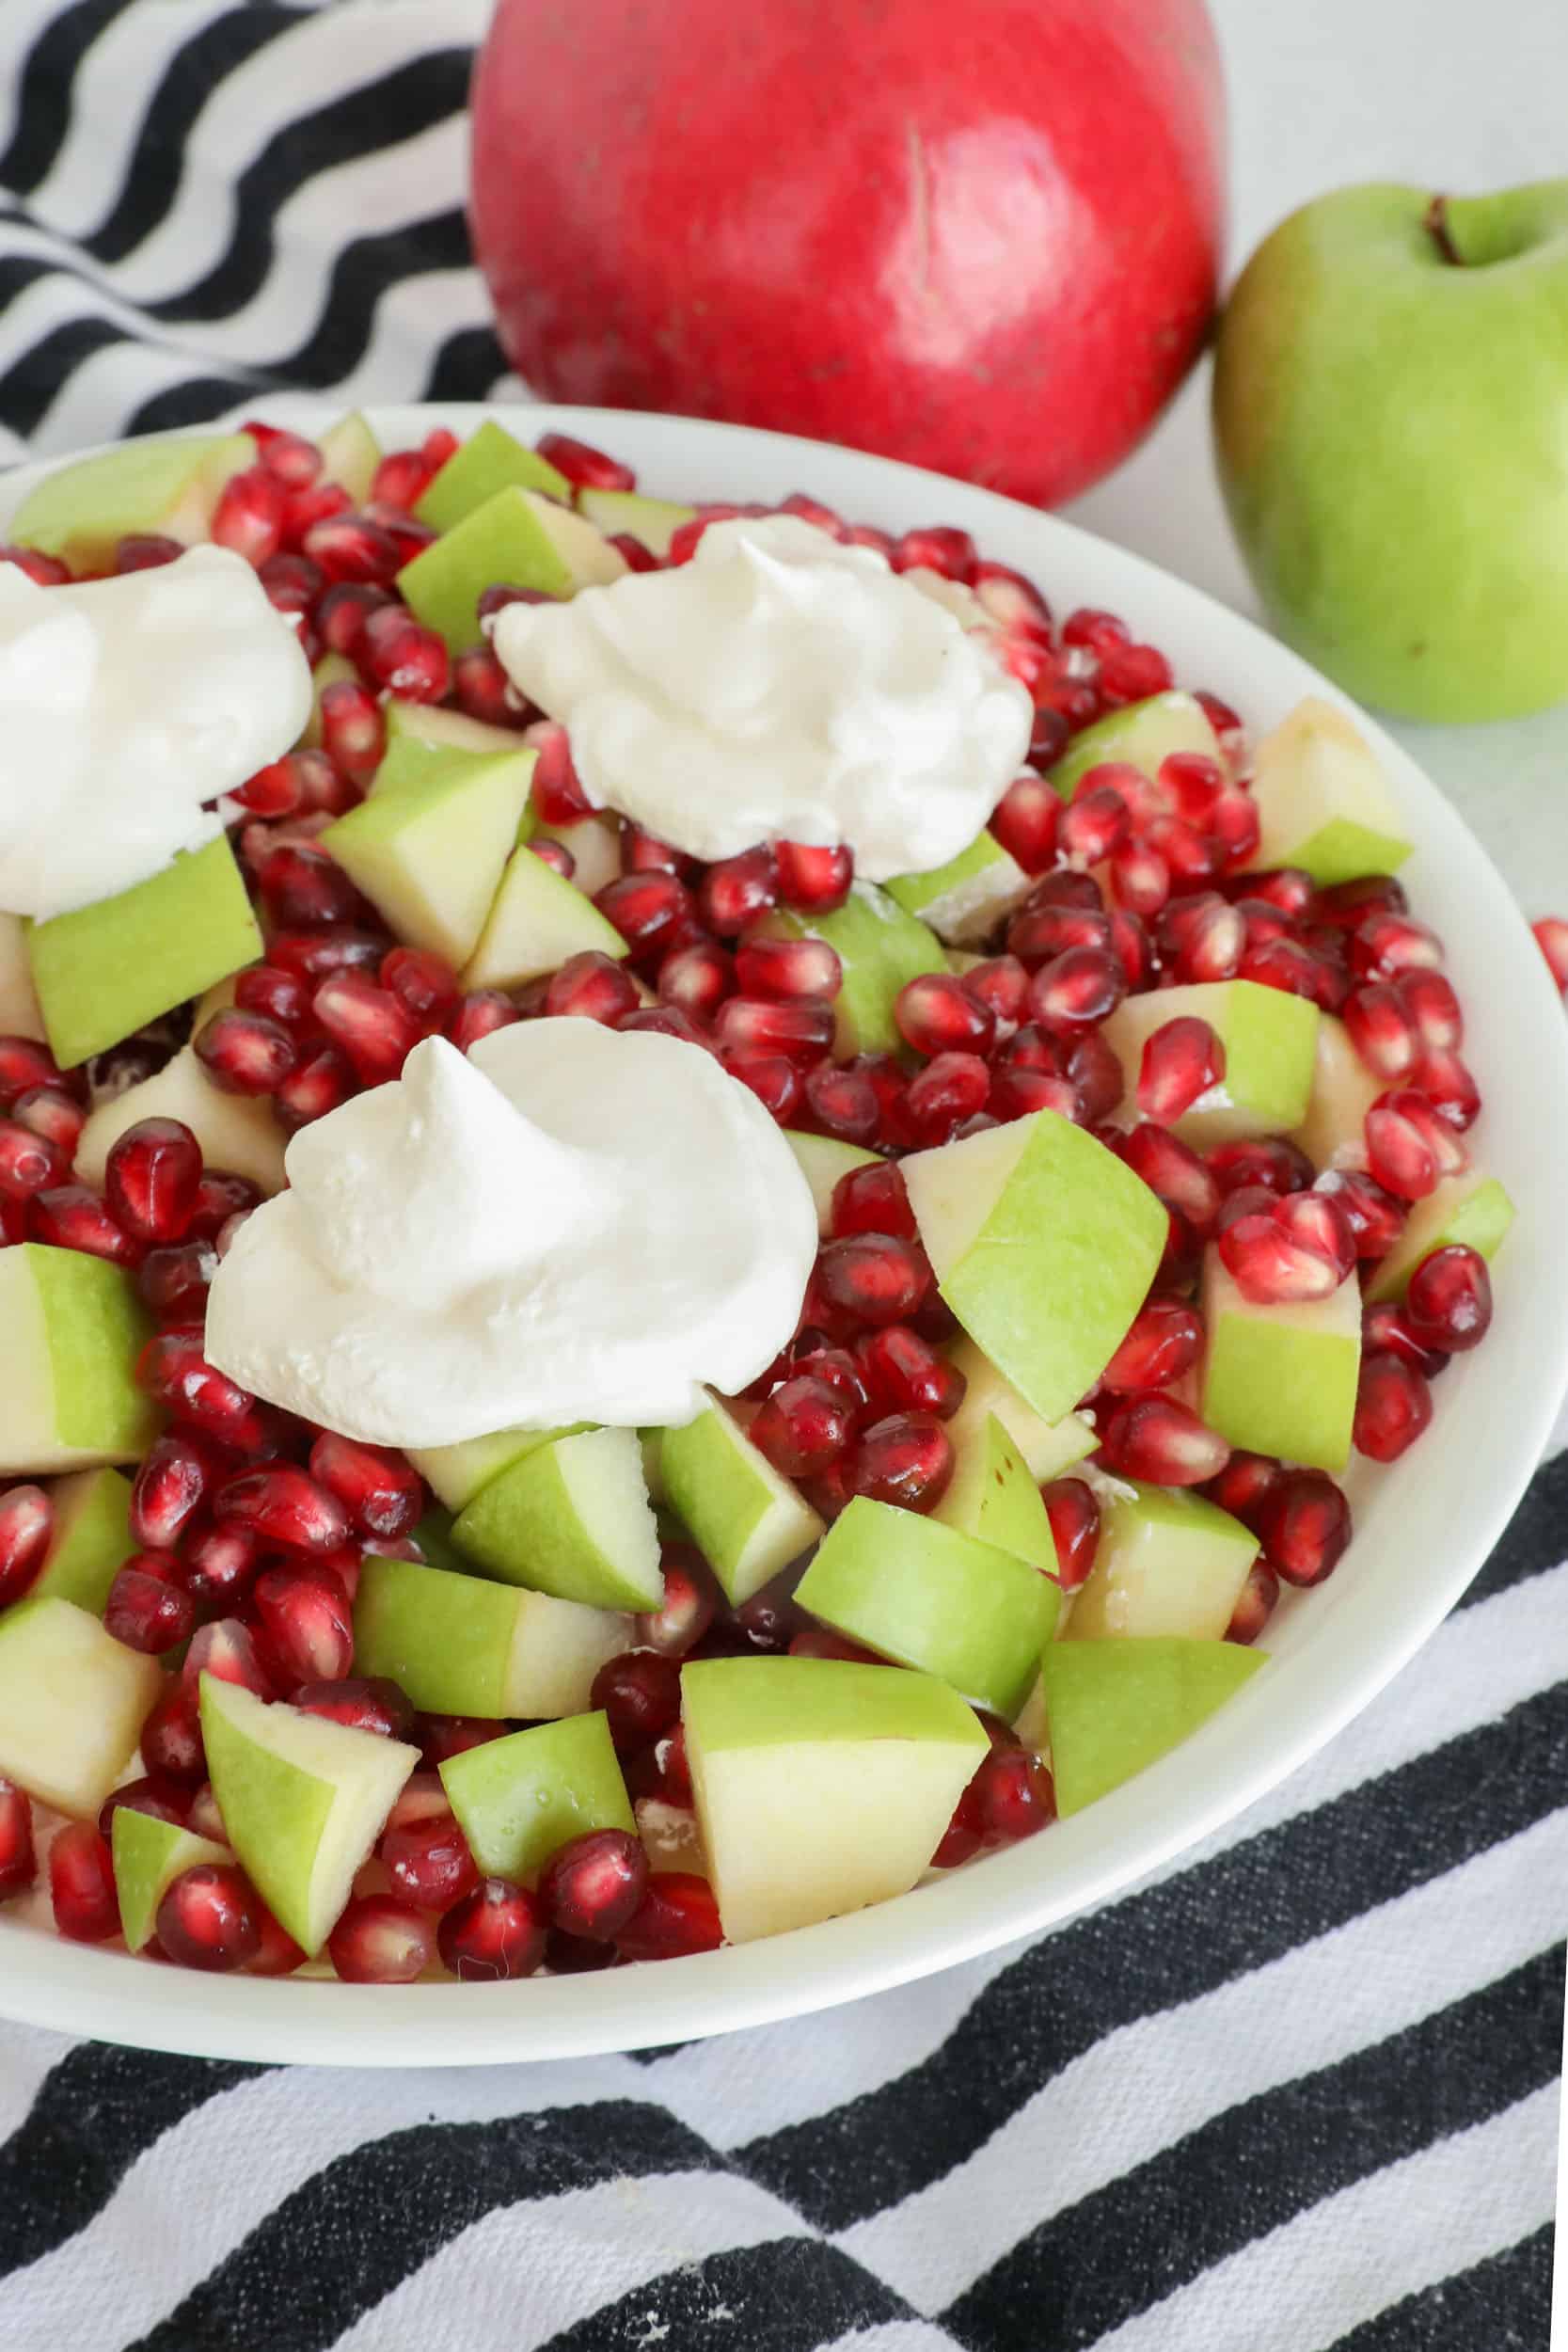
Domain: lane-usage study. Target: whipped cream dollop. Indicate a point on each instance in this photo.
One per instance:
(124, 705)
(779, 686)
(572, 1224)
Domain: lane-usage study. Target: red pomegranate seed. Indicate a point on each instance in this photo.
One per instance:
(1182, 1060)
(1385, 944)
(812, 880)
(936, 548)
(1273, 1264)
(644, 853)
(738, 890)
(1243, 1485)
(1130, 673)
(1305, 1524)
(369, 1703)
(82, 1885)
(277, 1954)
(379, 1940)
(593, 1885)
(45, 571)
(173, 1370)
(1157, 1440)
(1015, 1795)
(408, 659)
(1043, 930)
(304, 889)
(689, 1607)
(428, 1860)
(679, 1914)
(246, 1053)
(1385, 1330)
(650, 910)
(1380, 1028)
(1293, 969)
(1268, 1161)
(1375, 1218)
(480, 1014)
(1164, 1342)
(369, 1024)
(208, 1918)
(559, 798)
(149, 1608)
(304, 1617)
(1233, 824)
(1026, 821)
(775, 1082)
(1097, 632)
(1449, 1302)
(53, 1114)
(1018, 1092)
(1551, 937)
(495, 1933)
(26, 1529)
(282, 997)
(151, 1178)
(803, 1427)
(1176, 1173)
(641, 1693)
(353, 732)
(999, 986)
(316, 955)
(249, 515)
(324, 1078)
(585, 467)
(1393, 1405)
(226, 1649)
(1093, 828)
(18, 1855)
(1446, 1081)
(937, 1013)
(1258, 1598)
(842, 1103)
(802, 1029)
(217, 1566)
(482, 690)
(160, 1800)
(382, 1494)
(903, 1373)
(1074, 1515)
(665, 1021)
(171, 1736)
(697, 978)
(569, 1955)
(1410, 1149)
(906, 1459)
(1432, 1009)
(788, 969)
(169, 1488)
(28, 1163)
(963, 1836)
(872, 1199)
(283, 1505)
(424, 986)
(1140, 879)
(289, 456)
(1076, 989)
(440, 1736)
(874, 1278)
(1213, 942)
(24, 1066)
(350, 547)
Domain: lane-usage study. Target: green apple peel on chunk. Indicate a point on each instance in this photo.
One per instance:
(92, 1539)
(748, 1520)
(1047, 1447)
(880, 948)
(105, 970)
(333, 669)
(490, 460)
(72, 1702)
(1343, 1091)
(653, 521)
(165, 488)
(519, 1798)
(455, 1473)
(235, 1131)
(350, 456)
(1270, 1040)
(461, 1645)
(516, 536)
(964, 900)
(73, 1328)
(945, 1603)
(1323, 800)
(20, 1015)
(1167, 1563)
(537, 920)
(430, 857)
(1115, 1708)
(1471, 1210)
(148, 1855)
(1044, 1246)
(303, 1801)
(820, 1786)
(423, 742)
(992, 1496)
(1142, 734)
(571, 1518)
(823, 1159)
(1281, 1379)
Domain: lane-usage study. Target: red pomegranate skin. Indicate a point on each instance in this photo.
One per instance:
(983, 240)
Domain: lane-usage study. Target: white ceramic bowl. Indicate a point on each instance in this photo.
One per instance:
(1423, 1527)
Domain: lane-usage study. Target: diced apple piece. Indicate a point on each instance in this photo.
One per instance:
(92, 1539)
(350, 456)
(455, 1473)
(1323, 800)
(1115, 1708)
(572, 1519)
(105, 970)
(20, 1015)
(823, 1159)
(460, 1646)
(519, 1798)
(432, 1534)
(1472, 1210)
(72, 1702)
(964, 900)
(333, 669)
(595, 845)
(653, 521)
(1281, 1379)
(880, 947)
(235, 1131)
(820, 1786)
(148, 1855)
(1343, 1091)
(1143, 734)
(1047, 1447)
(73, 1328)
(303, 1801)
(1044, 1246)
(1168, 1562)
(920, 1593)
(425, 740)
(1270, 1040)
(169, 487)
(992, 1497)
(490, 460)
(536, 921)
(748, 1520)
(515, 536)
(430, 857)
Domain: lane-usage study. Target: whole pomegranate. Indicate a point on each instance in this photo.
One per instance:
(984, 240)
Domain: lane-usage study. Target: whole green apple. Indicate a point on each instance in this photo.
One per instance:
(1391, 425)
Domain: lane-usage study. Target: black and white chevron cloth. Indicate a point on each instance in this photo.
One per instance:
(1298, 2092)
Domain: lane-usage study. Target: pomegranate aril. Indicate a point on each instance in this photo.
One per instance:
(1182, 1060)
(1432, 1009)
(348, 547)
(1254, 1606)
(282, 997)
(53, 1114)
(842, 1103)
(938, 548)
(225, 1648)
(1393, 1405)
(1074, 1511)
(1155, 1438)
(217, 1567)
(650, 912)
(307, 1633)
(1375, 1218)
(303, 888)
(1304, 1526)
(1212, 941)
(401, 655)
(25, 1065)
(1446, 1081)
(428, 1860)
(1026, 821)
(18, 1855)
(906, 1459)
(1130, 673)
(1410, 1149)
(316, 955)
(679, 1914)
(1076, 989)
(175, 1373)
(277, 1954)
(697, 978)
(1093, 827)
(170, 1487)
(811, 880)
(904, 1374)
(586, 467)
(1447, 1304)
(1385, 944)
(872, 1199)
(370, 1025)
(1295, 970)
(1164, 1342)
(787, 969)
(149, 1608)
(1269, 1161)
(640, 1691)
(246, 1053)
(171, 1745)
(208, 1918)
(1380, 1028)
(250, 514)
(1045, 929)
(82, 1885)
(1270, 1263)
(26, 1528)
(379, 1940)
(29, 1162)
(381, 1492)
(1551, 937)
(1140, 879)
(803, 1427)
(644, 853)
(962, 1837)
(800, 1029)
(480, 1014)
(352, 729)
(495, 1933)
(593, 1885)
(1243, 1484)
(1095, 630)
(1170, 1168)
(949, 1090)
(285, 1506)
(424, 986)
(1015, 1795)
(734, 893)
(689, 1605)
(937, 1013)
(874, 1278)
(999, 986)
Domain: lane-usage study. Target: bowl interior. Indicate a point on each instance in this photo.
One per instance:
(1423, 1527)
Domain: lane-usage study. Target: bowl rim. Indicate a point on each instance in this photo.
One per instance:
(1275, 1723)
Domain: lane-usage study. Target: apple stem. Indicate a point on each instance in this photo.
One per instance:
(1436, 226)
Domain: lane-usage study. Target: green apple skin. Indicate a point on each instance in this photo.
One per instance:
(20, 1015)
(104, 971)
(432, 1533)
(1044, 1246)
(72, 1702)
(1168, 1562)
(516, 536)
(430, 857)
(992, 1497)
(148, 1855)
(1143, 734)
(1047, 1447)
(820, 1786)
(459, 1646)
(92, 1540)
(1472, 1209)
(936, 1599)
(748, 1520)
(1281, 1379)
(169, 487)
(455, 1473)
(964, 900)
(490, 460)
(654, 521)
(536, 920)
(73, 1327)
(571, 1518)
(519, 1798)
(1323, 800)
(880, 947)
(823, 1160)
(1388, 428)
(1115, 1708)
(1270, 1040)
(425, 743)
(350, 456)
(235, 1131)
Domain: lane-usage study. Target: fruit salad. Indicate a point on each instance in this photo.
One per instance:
(697, 1207)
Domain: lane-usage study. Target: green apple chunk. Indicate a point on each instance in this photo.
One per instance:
(992, 1497)
(594, 844)
(490, 460)
(350, 456)
(925, 1594)
(1047, 1447)
(432, 1534)
(518, 1799)
(461, 1645)
(1168, 1562)
(880, 947)
(654, 521)
(148, 1855)
(571, 1518)
(423, 741)
(964, 900)
(1281, 1379)
(455, 1473)
(1323, 800)
(1270, 1040)
(168, 488)
(430, 857)
(537, 919)
(72, 1702)
(820, 1786)
(823, 1160)
(91, 1538)
(73, 1328)
(303, 1801)
(747, 1520)
(105, 970)
(235, 1131)
(1044, 1246)
(1143, 734)
(1472, 1210)
(1343, 1091)
(516, 536)
(20, 1015)
(1117, 1707)
(333, 669)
